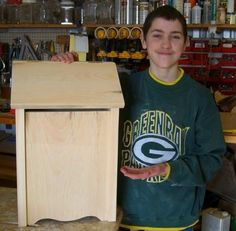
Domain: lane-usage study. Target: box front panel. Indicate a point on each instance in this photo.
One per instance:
(71, 164)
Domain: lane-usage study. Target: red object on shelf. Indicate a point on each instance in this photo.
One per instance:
(12, 111)
(200, 45)
(14, 2)
(229, 47)
(200, 73)
(185, 59)
(228, 75)
(228, 60)
(200, 59)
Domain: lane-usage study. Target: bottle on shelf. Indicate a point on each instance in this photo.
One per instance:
(221, 14)
(187, 11)
(206, 17)
(135, 19)
(196, 14)
(143, 10)
(126, 10)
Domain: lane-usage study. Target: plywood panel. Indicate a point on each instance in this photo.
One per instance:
(46, 84)
(71, 164)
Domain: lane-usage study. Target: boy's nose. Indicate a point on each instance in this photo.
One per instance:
(166, 42)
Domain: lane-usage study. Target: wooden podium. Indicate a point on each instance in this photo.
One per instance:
(66, 139)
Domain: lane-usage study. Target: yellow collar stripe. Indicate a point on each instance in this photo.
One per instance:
(167, 83)
(157, 229)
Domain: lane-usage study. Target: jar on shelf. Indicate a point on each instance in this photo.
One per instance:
(2, 13)
(90, 9)
(26, 11)
(54, 11)
(79, 12)
(13, 13)
(67, 12)
(104, 12)
(40, 12)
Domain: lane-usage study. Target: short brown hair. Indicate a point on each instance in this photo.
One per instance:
(166, 12)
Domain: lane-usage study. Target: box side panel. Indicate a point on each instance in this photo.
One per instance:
(21, 167)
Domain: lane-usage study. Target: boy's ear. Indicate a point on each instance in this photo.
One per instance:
(143, 41)
(187, 43)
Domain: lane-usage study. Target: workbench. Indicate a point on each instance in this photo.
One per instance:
(8, 218)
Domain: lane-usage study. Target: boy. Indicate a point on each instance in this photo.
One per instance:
(171, 141)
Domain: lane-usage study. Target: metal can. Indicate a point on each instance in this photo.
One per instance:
(136, 12)
(143, 11)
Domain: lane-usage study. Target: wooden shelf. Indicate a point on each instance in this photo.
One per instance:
(20, 26)
(190, 26)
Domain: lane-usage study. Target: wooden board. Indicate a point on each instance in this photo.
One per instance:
(8, 218)
(228, 121)
(46, 84)
(71, 164)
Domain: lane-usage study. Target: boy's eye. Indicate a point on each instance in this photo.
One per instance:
(157, 35)
(176, 37)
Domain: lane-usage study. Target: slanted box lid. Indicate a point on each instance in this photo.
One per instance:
(55, 85)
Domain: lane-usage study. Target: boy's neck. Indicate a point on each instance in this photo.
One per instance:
(166, 75)
(171, 80)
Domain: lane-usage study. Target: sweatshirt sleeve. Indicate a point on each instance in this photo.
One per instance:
(199, 166)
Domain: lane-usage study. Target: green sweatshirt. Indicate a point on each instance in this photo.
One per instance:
(178, 124)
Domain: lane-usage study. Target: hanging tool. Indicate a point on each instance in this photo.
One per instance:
(27, 51)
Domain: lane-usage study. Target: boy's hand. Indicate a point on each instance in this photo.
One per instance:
(144, 173)
(68, 57)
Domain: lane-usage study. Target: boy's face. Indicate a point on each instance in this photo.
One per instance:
(164, 43)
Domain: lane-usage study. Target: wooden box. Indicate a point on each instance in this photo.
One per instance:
(66, 139)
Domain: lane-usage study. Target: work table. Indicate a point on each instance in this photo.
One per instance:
(8, 218)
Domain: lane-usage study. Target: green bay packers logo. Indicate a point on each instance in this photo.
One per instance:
(152, 149)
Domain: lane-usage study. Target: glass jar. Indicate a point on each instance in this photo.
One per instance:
(54, 11)
(26, 11)
(40, 12)
(13, 15)
(104, 12)
(2, 13)
(90, 9)
(67, 12)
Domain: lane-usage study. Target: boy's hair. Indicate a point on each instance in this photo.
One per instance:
(166, 12)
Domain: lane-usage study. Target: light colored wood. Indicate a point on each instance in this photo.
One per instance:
(8, 218)
(71, 164)
(42, 85)
(21, 165)
(230, 138)
(67, 139)
(228, 121)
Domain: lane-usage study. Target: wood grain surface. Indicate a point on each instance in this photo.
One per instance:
(46, 84)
